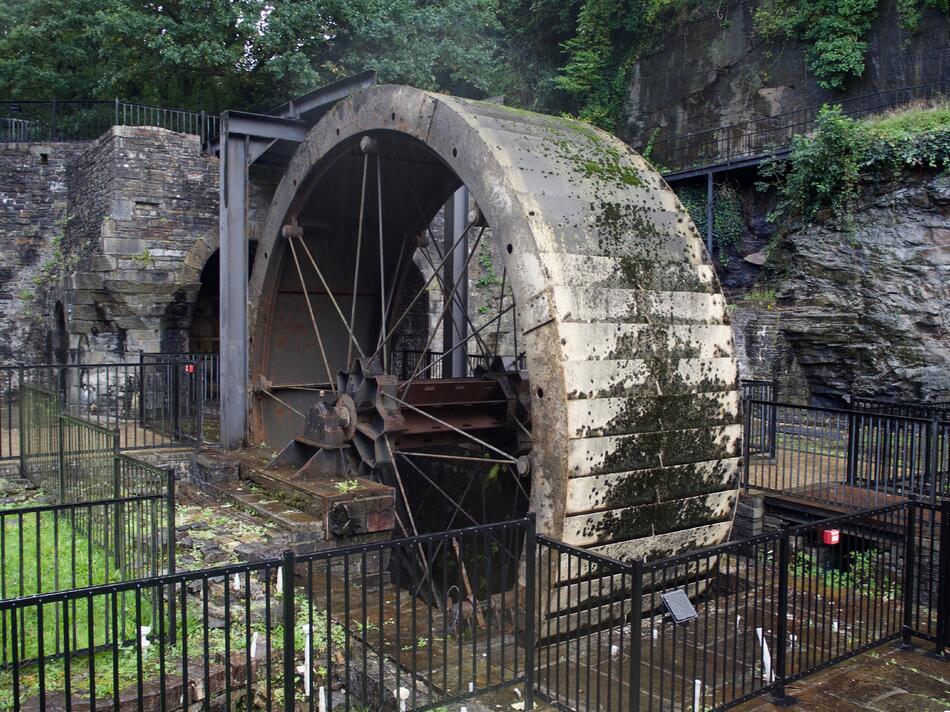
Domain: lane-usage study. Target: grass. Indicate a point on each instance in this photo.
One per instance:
(121, 663)
(763, 297)
(911, 119)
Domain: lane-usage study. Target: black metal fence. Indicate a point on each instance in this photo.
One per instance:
(85, 120)
(411, 623)
(761, 613)
(147, 404)
(912, 409)
(763, 136)
(851, 458)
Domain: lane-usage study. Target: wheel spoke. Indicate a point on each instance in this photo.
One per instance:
(419, 294)
(459, 345)
(445, 310)
(313, 318)
(442, 456)
(284, 403)
(396, 282)
(349, 330)
(457, 301)
(356, 268)
(382, 264)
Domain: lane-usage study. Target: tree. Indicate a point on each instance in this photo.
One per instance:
(216, 54)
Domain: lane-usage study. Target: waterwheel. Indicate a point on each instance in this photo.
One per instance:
(598, 386)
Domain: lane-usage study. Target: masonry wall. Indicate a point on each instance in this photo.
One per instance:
(139, 200)
(33, 202)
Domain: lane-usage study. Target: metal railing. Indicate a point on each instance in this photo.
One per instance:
(761, 137)
(206, 375)
(850, 458)
(148, 404)
(913, 409)
(762, 612)
(86, 120)
(404, 624)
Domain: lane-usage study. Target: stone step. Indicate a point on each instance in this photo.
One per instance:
(271, 509)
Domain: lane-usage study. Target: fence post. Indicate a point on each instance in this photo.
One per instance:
(933, 445)
(116, 123)
(746, 436)
(61, 443)
(778, 696)
(288, 608)
(530, 591)
(908, 583)
(943, 584)
(176, 398)
(171, 546)
(141, 389)
(199, 398)
(852, 466)
(636, 609)
(119, 532)
(21, 398)
(773, 423)
(52, 122)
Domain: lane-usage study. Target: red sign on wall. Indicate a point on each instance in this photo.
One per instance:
(830, 536)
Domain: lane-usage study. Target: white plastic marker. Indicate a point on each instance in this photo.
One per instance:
(834, 626)
(306, 658)
(767, 673)
(280, 580)
(322, 701)
(236, 582)
(697, 691)
(403, 696)
(143, 633)
(254, 639)
(614, 650)
(471, 687)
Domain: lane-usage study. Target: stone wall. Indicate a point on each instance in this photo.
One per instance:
(140, 199)
(715, 71)
(32, 214)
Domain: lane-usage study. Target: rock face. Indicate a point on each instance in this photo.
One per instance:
(866, 307)
(715, 71)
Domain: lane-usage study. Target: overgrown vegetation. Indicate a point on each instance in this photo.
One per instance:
(833, 31)
(559, 56)
(861, 573)
(728, 223)
(827, 169)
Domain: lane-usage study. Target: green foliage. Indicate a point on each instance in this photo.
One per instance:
(826, 170)
(488, 277)
(347, 486)
(219, 54)
(728, 223)
(144, 260)
(911, 11)
(860, 573)
(832, 30)
(762, 297)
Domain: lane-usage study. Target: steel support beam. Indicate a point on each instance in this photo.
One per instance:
(233, 287)
(455, 325)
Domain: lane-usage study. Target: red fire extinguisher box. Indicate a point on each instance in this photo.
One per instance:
(830, 536)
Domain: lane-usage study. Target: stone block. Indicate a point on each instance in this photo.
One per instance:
(122, 245)
(213, 467)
